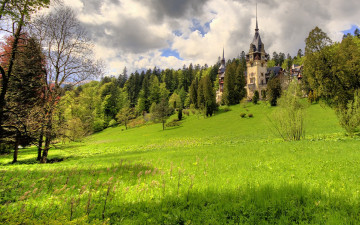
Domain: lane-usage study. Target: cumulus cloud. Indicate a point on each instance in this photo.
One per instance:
(134, 33)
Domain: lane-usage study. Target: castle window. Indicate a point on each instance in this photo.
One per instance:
(262, 64)
(252, 64)
(252, 80)
(262, 74)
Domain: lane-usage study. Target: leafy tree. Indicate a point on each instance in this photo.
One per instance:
(175, 101)
(161, 112)
(125, 115)
(316, 41)
(71, 59)
(349, 116)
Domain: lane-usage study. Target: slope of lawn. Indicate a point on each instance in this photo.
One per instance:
(223, 169)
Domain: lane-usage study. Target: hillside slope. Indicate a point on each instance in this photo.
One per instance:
(223, 169)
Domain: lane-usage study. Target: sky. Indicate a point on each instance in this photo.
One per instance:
(142, 34)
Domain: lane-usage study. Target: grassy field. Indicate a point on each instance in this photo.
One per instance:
(219, 170)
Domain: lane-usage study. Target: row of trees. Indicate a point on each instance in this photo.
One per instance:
(41, 55)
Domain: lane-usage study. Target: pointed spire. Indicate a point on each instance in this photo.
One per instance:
(257, 28)
(223, 53)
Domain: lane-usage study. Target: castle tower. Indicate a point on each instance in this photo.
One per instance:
(221, 75)
(256, 62)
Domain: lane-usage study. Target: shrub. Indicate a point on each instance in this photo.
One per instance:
(186, 112)
(98, 125)
(250, 115)
(174, 123)
(243, 115)
(138, 122)
(256, 97)
(289, 117)
(112, 123)
(349, 116)
(227, 109)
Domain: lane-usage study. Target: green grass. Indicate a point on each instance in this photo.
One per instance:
(223, 169)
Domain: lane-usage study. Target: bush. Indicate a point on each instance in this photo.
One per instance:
(138, 122)
(227, 109)
(112, 123)
(243, 115)
(250, 115)
(98, 125)
(288, 119)
(186, 112)
(349, 116)
(174, 123)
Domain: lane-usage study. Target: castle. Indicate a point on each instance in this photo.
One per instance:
(256, 63)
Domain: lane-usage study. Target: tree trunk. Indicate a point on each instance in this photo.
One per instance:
(16, 150)
(41, 138)
(47, 139)
(46, 150)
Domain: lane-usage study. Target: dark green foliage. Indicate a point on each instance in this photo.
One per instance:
(243, 115)
(234, 83)
(250, 115)
(256, 97)
(333, 72)
(263, 94)
(193, 92)
(180, 114)
(273, 90)
(206, 96)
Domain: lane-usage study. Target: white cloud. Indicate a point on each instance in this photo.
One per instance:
(131, 33)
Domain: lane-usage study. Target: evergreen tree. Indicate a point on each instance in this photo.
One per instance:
(206, 96)
(193, 92)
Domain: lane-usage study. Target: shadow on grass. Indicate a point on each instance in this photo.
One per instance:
(288, 204)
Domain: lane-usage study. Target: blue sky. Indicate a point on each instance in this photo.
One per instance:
(351, 30)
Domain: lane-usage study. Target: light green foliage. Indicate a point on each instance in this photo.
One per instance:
(125, 115)
(288, 118)
(164, 93)
(270, 63)
(175, 101)
(349, 116)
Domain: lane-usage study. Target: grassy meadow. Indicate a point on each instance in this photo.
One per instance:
(219, 170)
